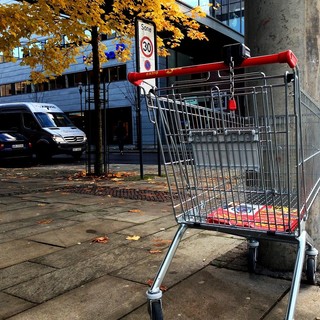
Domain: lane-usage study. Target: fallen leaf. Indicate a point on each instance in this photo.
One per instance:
(104, 239)
(161, 242)
(153, 251)
(83, 173)
(133, 238)
(77, 175)
(44, 221)
(162, 287)
(134, 210)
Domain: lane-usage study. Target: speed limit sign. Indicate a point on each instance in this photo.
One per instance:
(146, 46)
(146, 50)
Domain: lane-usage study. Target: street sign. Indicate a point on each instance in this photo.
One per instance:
(146, 60)
(146, 50)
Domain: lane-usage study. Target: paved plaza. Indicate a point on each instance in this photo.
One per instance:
(76, 247)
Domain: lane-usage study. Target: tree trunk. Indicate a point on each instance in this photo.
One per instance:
(98, 164)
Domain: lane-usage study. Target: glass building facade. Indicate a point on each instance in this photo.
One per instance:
(229, 12)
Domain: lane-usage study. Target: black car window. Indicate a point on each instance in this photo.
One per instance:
(29, 121)
(10, 121)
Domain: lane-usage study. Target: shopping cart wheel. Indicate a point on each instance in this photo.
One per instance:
(252, 255)
(311, 270)
(155, 310)
(252, 259)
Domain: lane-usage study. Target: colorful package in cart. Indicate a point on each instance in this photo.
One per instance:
(261, 217)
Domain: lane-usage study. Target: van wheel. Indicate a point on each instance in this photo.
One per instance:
(43, 154)
(77, 155)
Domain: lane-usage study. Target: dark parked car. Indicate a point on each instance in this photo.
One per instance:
(14, 146)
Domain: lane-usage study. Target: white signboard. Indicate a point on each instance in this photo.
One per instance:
(146, 44)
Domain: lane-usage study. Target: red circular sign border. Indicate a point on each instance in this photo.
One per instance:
(146, 55)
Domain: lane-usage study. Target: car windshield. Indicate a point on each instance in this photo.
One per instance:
(56, 119)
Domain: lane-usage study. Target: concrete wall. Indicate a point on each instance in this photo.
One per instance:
(273, 26)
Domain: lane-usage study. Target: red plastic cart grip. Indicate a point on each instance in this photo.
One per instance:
(282, 57)
(232, 105)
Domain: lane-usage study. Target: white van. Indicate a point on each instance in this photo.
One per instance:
(46, 126)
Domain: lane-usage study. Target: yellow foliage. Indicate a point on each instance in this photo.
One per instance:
(27, 24)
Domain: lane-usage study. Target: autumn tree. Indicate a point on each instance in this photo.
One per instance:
(80, 23)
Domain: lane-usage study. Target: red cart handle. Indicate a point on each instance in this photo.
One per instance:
(282, 57)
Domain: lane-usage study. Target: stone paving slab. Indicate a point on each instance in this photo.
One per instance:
(88, 215)
(60, 196)
(51, 285)
(21, 272)
(104, 209)
(193, 253)
(36, 212)
(107, 206)
(82, 251)
(13, 203)
(10, 305)
(106, 298)
(39, 227)
(134, 215)
(161, 239)
(80, 232)
(41, 205)
(220, 294)
(11, 188)
(307, 307)
(131, 205)
(150, 227)
(17, 251)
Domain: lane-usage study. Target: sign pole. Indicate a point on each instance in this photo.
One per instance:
(145, 39)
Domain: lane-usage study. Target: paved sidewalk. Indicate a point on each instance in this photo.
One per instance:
(75, 247)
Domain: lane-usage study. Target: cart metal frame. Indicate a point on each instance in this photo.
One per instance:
(240, 157)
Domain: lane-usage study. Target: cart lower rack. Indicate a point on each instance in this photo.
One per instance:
(240, 156)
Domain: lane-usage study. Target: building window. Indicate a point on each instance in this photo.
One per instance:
(23, 87)
(231, 13)
(71, 80)
(117, 73)
(29, 88)
(52, 84)
(80, 77)
(20, 87)
(104, 37)
(61, 82)
(2, 91)
(40, 87)
(204, 4)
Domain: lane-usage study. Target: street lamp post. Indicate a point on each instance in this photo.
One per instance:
(80, 88)
(80, 93)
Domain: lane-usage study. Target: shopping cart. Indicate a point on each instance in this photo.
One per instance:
(241, 156)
